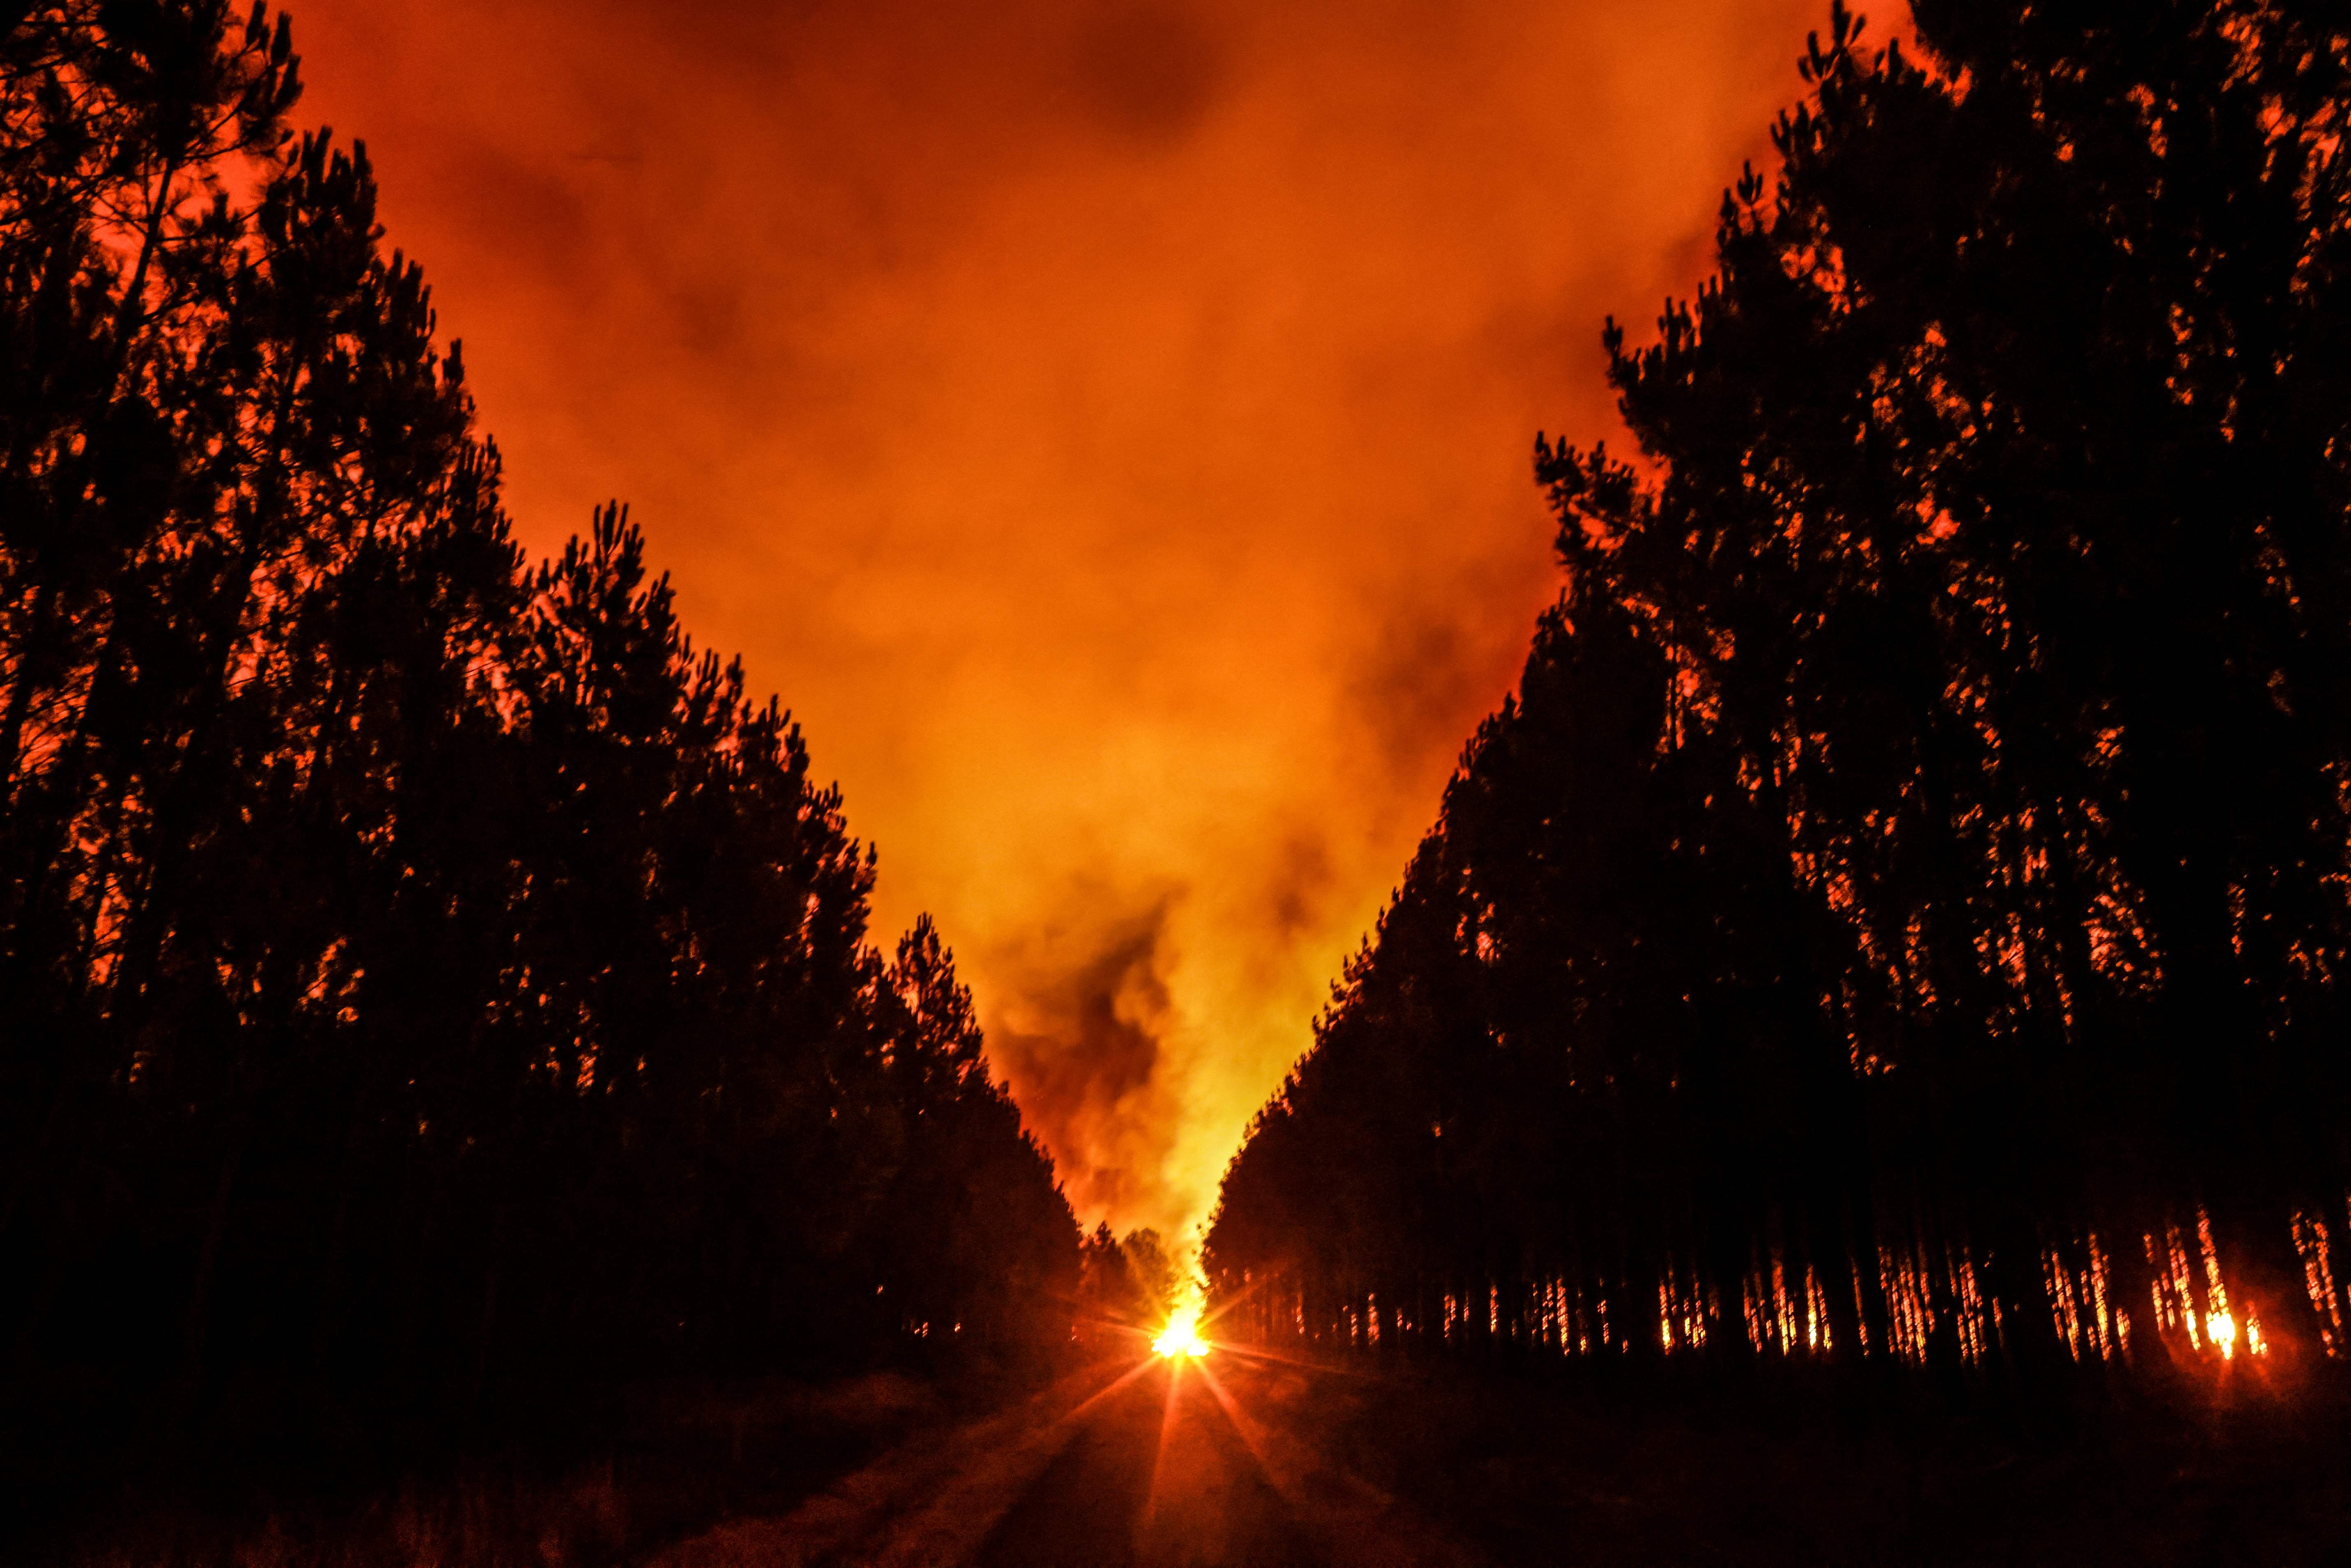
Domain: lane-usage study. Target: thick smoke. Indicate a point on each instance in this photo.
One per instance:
(1105, 421)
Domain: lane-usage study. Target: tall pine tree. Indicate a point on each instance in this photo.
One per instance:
(1903, 910)
(425, 976)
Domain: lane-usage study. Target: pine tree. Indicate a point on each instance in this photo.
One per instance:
(426, 976)
(1913, 863)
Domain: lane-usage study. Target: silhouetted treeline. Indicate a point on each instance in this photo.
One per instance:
(418, 970)
(1905, 909)
(1128, 1283)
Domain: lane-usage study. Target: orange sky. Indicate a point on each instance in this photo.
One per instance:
(1106, 422)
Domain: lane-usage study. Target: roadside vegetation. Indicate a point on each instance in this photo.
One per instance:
(438, 1000)
(1903, 915)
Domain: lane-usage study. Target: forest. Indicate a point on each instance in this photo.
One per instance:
(434, 988)
(1898, 921)
(1901, 914)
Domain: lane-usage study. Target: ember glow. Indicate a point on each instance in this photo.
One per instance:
(1106, 424)
(2190, 1307)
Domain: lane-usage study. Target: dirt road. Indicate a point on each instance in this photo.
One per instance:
(1146, 1463)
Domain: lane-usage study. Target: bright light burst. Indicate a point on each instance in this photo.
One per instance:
(1181, 1335)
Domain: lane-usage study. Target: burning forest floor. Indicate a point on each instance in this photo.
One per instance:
(1235, 1457)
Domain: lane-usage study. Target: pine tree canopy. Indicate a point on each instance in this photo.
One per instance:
(425, 973)
(1903, 910)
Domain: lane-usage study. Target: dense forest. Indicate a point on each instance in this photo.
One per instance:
(426, 979)
(1903, 912)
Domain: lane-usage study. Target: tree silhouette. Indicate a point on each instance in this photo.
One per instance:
(426, 976)
(1901, 910)
(1129, 1282)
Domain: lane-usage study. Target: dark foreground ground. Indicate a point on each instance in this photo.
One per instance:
(1127, 1460)
(1793, 1471)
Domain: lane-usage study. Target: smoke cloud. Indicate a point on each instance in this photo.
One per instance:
(1105, 421)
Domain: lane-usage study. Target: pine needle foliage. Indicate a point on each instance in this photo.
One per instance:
(1903, 910)
(426, 974)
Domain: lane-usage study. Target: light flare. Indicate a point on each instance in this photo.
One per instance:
(1181, 1337)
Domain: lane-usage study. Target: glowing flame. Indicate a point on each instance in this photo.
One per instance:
(1181, 1335)
(2222, 1330)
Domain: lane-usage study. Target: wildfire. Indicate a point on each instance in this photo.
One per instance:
(1181, 1335)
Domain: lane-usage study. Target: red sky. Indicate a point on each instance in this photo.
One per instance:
(1106, 422)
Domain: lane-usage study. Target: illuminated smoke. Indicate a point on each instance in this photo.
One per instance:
(1107, 425)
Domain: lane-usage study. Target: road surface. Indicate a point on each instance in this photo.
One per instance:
(1141, 1463)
